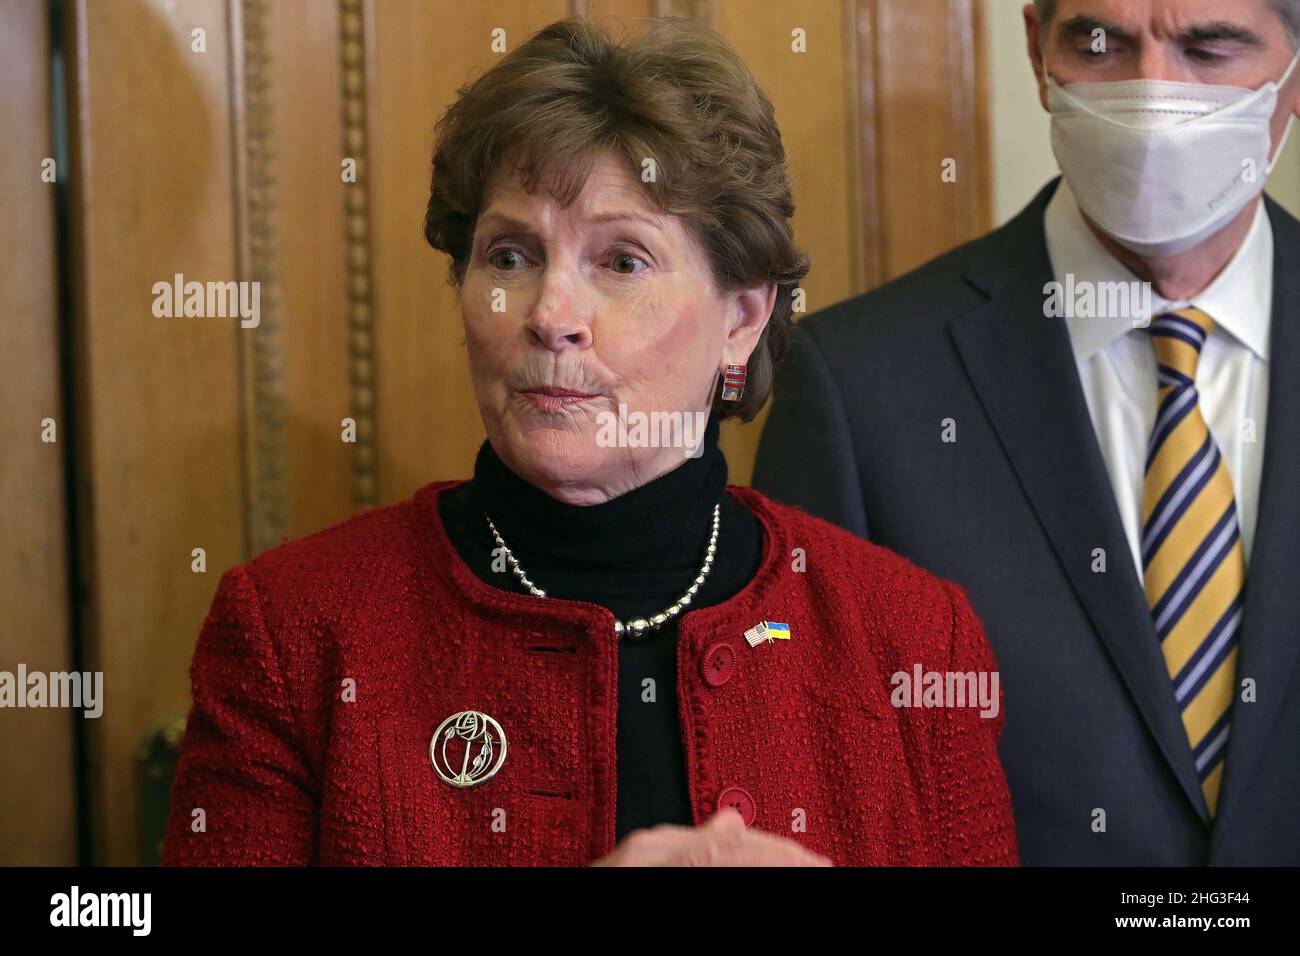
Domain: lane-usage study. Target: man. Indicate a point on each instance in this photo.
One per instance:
(1114, 478)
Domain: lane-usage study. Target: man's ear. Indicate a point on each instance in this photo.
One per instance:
(1032, 28)
(750, 313)
(1294, 82)
(1288, 107)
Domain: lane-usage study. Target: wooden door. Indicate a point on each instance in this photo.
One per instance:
(38, 821)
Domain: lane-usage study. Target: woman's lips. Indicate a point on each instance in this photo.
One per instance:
(553, 399)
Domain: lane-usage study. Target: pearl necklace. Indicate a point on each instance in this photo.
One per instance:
(637, 627)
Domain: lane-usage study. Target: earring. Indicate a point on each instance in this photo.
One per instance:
(733, 383)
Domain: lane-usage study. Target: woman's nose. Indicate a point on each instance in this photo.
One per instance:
(558, 336)
(560, 318)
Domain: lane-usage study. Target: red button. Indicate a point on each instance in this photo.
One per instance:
(739, 798)
(718, 665)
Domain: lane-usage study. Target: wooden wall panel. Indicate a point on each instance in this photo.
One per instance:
(305, 82)
(929, 105)
(37, 818)
(156, 398)
(290, 213)
(425, 409)
(810, 96)
(619, 12)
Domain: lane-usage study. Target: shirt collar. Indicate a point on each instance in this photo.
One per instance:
(1239, 299)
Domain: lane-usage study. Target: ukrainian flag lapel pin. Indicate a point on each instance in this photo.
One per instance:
(765, 632)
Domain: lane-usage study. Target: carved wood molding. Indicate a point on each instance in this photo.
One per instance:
(864, 143)
(357, 225)
(261, 349)
(873, 28)
(970, 101)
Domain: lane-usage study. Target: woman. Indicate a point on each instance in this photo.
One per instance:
(595, 650)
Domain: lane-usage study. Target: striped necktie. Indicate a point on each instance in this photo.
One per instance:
(1192, 556)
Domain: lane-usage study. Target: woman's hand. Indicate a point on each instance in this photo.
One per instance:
(723, 840)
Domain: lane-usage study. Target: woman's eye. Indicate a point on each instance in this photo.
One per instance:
(507, 260)
(625, 263)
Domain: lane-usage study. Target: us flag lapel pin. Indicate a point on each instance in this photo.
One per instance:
(767, 632)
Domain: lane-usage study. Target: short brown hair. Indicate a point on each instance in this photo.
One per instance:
(677, 94)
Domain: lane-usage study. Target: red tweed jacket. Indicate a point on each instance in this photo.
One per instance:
(325, 666)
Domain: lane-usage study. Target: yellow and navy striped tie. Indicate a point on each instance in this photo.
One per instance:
(1193, 560)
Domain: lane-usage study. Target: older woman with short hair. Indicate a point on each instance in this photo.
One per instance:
(596, 650)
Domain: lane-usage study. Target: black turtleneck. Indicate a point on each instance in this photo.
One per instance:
(634, 554)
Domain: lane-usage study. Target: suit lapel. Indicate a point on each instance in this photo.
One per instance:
(1270, 637)
(1022, 367)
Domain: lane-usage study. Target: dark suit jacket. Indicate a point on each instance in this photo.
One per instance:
(1015, 509)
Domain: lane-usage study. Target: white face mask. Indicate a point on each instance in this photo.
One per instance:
(1161, 166)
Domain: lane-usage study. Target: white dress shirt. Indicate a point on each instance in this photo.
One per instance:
(1117, 364)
